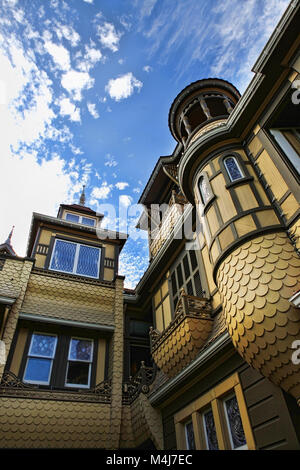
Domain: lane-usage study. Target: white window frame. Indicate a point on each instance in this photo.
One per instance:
(237, 164)
(243, 447)
(90, 362)
(284, 144)
(51, 358)
(80, 217)
(76, 258)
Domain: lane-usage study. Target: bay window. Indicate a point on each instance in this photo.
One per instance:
(75, 258)
(60, 361)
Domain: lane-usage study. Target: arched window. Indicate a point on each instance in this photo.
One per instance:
(233, 169)
(204, 189)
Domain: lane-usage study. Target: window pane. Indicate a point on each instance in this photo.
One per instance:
(204, 190)
(63, 256)
(210, 431)
(193, 258)
(72, 217)
(235, 423)
(232, 168)
(189, 288)
(88, 221)
(88, 261)
(159, 319)
(198, 287)
(42, 345)
(179, 276)
(174, 286)
(78, 373)
(190, 439)
(81, 349)
(38, 370)
(186, 267)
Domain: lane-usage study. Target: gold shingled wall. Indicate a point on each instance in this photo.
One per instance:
(57, 297)
(27, 423)
(256, 281)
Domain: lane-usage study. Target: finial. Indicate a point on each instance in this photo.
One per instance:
(82, 197)
(8, 241)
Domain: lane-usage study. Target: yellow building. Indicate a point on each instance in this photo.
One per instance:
(220, 369)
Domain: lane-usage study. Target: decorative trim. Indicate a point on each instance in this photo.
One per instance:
(42, 249)
(140, 383)
(109, 263)
(7, 300)
(72, 277)
(12, 386)
(187, 306)
(40, 318)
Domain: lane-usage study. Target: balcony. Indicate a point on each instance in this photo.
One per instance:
(164, 230)
(180, 342)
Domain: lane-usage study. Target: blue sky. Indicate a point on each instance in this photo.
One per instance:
(85, 91)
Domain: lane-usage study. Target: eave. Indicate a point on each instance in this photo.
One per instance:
(102, 234)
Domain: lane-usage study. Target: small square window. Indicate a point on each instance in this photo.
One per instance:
(72, 217)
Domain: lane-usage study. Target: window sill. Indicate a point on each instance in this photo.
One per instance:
(71, 277)
(245, 180)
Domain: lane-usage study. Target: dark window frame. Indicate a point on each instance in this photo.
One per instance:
(60, 360)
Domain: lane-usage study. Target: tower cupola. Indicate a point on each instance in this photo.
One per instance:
(202, 103)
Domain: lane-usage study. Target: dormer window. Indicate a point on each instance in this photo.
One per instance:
(80, 219)
(75, 258)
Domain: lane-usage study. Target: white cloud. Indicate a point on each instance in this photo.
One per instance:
(88, 1)
(121, 185)
(136, 190)
(41, 178)
(91, 57)
(92, 110)
(69, 33)
(226, 42)
(59, 54)
(133, 261)
(67, 108)
(75, 82)
(110, 161)
(125, 200)
(123, 86)
(147, 68)
(108, 36)
(101, 192)
(36, 180)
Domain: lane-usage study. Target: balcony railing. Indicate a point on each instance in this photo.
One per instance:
(171, 216)
(180, 342)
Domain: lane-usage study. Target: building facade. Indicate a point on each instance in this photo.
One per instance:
(220, 367)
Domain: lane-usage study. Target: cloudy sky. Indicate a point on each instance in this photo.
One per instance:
(85, 90)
